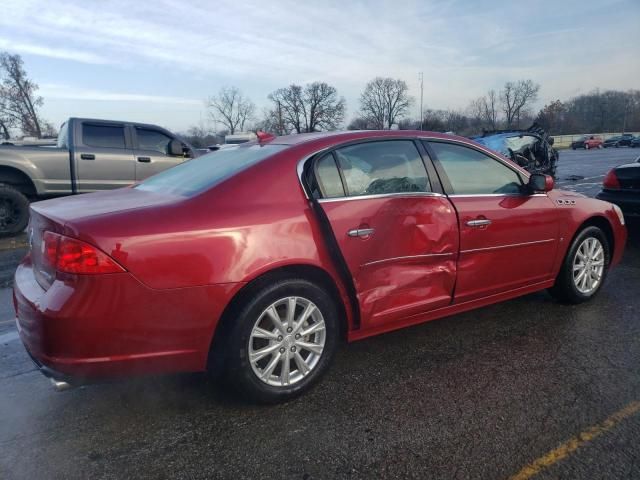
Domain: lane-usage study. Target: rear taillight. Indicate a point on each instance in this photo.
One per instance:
(69, 255)
(611, 181)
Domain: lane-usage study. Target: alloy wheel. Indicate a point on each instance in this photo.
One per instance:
(287, 341)
(588, 266)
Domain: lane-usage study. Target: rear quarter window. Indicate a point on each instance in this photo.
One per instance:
(194, 176)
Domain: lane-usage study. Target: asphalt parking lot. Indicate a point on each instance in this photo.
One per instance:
(524, 389)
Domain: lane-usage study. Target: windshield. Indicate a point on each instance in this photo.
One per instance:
(196, 175)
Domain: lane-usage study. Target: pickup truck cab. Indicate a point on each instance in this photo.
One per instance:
(90, 155)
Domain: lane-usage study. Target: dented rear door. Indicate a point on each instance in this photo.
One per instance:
(398, 238)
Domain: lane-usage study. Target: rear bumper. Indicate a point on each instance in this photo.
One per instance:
(85, 328)
(629, 202)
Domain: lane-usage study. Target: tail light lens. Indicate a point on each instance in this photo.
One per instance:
(69, 255)
(611, 181)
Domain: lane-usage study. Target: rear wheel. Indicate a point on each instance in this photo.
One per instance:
(283, 341)
(14, 211)
(585, 267)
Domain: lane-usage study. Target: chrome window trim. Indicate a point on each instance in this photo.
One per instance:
(515, 168)
(471, 195)
(380, 195)
(427, 255)
(511, 245)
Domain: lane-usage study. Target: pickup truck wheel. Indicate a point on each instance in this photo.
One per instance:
(584, 269)
(14, 211)
(283, 341)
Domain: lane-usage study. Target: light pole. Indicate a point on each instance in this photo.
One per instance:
(421, 77)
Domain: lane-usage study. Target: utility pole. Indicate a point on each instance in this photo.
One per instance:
(421, 77)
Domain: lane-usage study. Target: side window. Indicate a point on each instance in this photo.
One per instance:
(104, 136)
(471, 172)
(153, 140)
(372, 168)
(328, 177)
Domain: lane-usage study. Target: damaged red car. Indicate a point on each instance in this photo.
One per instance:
(255, 262)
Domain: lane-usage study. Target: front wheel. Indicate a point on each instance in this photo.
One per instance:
(584, 268)
(284, 339)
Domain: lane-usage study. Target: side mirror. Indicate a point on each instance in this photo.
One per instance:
(175, 148)
(551, 141)
(539, 182)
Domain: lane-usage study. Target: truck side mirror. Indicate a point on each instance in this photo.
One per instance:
(175, 148)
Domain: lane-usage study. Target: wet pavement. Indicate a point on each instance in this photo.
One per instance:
(475, 396)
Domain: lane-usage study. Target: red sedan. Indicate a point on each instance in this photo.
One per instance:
(256, 261)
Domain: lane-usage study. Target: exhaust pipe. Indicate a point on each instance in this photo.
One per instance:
(60, 386)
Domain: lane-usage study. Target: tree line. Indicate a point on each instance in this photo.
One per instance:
(384, 103)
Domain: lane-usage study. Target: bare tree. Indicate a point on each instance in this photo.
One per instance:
(312, 108)
(516, 98)
(484, 111)
(231, 108)
(19, 103)
(384, 101)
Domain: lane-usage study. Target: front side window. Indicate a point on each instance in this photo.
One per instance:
(471, 172)
(382, 167)
(153, 140)
(103, 136)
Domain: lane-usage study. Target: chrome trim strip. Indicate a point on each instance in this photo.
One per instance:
(498, 247)
(472, 195)
(408, 257)
(380, 195)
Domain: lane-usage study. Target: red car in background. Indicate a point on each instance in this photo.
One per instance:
(587, 142)
(256, 261)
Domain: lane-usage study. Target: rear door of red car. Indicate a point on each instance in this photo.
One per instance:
(396, 231)
(508, 237)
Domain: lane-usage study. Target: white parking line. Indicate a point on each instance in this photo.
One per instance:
(9, 337)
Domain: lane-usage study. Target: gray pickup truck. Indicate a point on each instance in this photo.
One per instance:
(90, 155)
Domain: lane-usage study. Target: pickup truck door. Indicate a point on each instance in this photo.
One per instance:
(102, 156)
(151, 150)
(398, 237)
(508, 236)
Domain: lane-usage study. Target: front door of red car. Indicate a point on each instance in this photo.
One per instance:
(398, 238)
(508, 237)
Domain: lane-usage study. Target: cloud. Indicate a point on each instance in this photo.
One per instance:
(68, 92)
(44, 51)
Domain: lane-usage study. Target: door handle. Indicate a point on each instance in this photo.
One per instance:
(87, 156)
(361, 232)
(479, 222)
(144, 159)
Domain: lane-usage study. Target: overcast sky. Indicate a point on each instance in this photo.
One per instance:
(157, 61)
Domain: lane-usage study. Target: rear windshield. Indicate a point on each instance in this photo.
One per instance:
(196, 175)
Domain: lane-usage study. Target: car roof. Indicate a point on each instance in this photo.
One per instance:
(349, 135)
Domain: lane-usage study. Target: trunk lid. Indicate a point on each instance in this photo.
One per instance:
(61, 215)
(629, 176)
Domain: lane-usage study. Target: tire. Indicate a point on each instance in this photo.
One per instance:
(572, 288)
(283, 343)
(14, 211)
(573, 148)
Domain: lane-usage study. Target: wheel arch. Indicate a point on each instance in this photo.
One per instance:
(312, 273)
(17, 179)
(603, 224)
